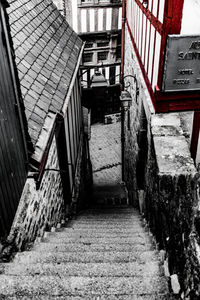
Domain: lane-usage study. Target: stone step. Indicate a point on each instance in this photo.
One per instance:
(137, 239)
(85, 257)
(57, 286)
(155, 296)
(82, 269)
(108, 221)
(98, 233)
(84, 247)
(108, 225)
(109, 215)
(101, 226)
(106, 217)
(104, 230)
(124, 211)
(105, 208)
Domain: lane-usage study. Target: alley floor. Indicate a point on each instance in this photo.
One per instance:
(105, 151)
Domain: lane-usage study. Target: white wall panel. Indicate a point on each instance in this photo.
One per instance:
(83, 20)
(161, 10)
(140, 32)
(120, 18)
(91, 72)
(156, 59)
(155, 7)
(118, 75)
(147, 44)
(107, 73)
(85, 79)
(137, 25)
(151, 52)
(191, 17)
(108, 18)
(100, 19)
(143, 38)
(92, 20)
(74, 16)
(150, 4)
(134, 19)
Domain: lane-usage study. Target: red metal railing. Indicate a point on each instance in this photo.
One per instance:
(149, 23)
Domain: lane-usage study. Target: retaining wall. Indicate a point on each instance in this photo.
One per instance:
(168, 194)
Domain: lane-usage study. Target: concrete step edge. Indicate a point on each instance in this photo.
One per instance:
(79, 286)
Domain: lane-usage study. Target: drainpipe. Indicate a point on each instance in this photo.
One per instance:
(123, 43)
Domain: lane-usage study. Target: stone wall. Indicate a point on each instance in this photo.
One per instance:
(141, 107)
(41, 209)
(192, 266)
(171, 201)
(168, 198)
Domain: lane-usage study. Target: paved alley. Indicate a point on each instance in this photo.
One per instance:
(105, 151)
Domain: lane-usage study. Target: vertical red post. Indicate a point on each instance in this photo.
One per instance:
(195, 134)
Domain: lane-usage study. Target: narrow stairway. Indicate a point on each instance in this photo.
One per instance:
(105, 253)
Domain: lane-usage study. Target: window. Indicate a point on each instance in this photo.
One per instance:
(96, 2)
(118, 52)
(102, 55)
(88, 45)
(87, 57)
(102, 43)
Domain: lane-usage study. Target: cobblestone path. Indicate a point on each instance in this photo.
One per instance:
(105, 151)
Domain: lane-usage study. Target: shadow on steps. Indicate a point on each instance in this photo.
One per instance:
(110, 194)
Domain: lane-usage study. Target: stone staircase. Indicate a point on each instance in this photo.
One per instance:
(105, 253)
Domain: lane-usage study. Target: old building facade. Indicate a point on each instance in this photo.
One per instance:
(98, 23)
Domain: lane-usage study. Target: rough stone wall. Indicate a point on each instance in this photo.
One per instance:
(169, 201)
(41, 209)
(133, 118)
(192, 266)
